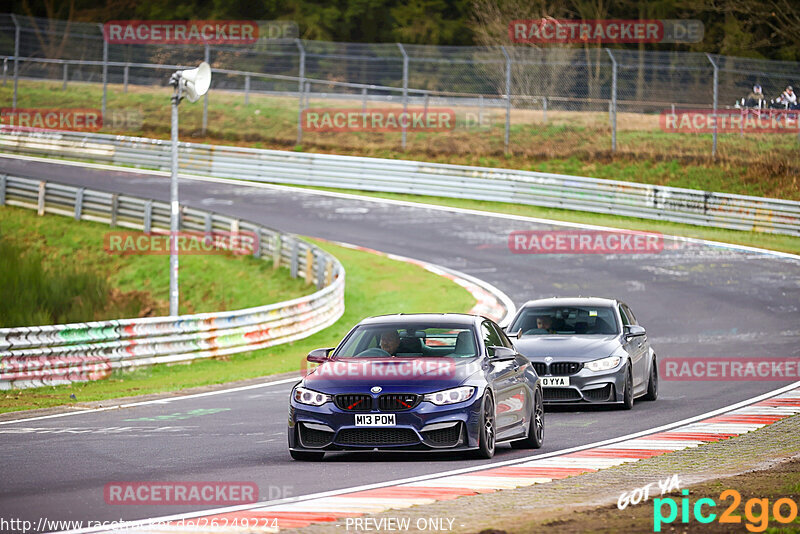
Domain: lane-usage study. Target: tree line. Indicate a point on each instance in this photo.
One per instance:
(768, 29)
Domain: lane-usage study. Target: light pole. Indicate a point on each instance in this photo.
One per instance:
(194, 83)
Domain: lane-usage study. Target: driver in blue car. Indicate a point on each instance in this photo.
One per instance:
(390, 341)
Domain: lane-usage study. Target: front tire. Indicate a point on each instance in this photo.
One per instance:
(487, 433)
(307, 456)
(627, 392)
(535, 437)
(652, 384)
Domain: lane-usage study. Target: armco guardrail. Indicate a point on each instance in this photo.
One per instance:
(689, 206)
(48, 355)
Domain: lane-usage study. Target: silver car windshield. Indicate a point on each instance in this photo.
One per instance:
(566, 320)
(409, 341)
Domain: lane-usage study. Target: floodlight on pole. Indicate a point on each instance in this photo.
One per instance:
(190, 84)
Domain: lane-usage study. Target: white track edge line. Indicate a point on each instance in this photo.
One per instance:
(332, 493)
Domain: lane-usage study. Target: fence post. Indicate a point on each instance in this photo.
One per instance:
(64, 85)
(105, 71)
(480, 110)
(16, 61)
(301, 75)
(246, 89)
(207, 57)
(405, 92)
(716, 94)
(125, 73)
(508, 98)
(544, 109)
(364, 100)
(613, 102)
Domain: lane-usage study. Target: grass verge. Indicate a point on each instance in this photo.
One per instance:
(375, 285)
(568, 142)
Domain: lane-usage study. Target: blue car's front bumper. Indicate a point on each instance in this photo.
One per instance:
(424, 427)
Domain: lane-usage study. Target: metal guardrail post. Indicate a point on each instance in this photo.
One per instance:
(16, 61)
(613, 102)
(309, 275)
(105, 70)
(276, 252)
(294, 259)
(363, 100)
(716, 95)
(3, 182)
(480, 110)
(208, 223)
(42, 193)
(301, 74)
(125, 72)
(79, 203)
(246, 89)
(64, 84)
(320, 272)
(114, 209)
(508, 99)
(5, 70)
(147, 219)
(206, 56)
(405, 92)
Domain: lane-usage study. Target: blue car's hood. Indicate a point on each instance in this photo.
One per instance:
(579, 348)
(416, 375)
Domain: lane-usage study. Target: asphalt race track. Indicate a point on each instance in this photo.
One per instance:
(694, 301)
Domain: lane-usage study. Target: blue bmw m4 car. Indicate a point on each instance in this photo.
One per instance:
(418, 382)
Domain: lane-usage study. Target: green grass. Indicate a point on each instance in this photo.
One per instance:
(375, 285)
(207, 282)
(570, 143)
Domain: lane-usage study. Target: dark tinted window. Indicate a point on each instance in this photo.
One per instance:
(566, 320)
(625, 320)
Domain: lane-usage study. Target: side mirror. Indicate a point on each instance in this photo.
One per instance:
(319, 355)
(517, 334)
(502, 354)
(634, 330)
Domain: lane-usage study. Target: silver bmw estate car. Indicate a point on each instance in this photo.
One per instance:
(586, 350)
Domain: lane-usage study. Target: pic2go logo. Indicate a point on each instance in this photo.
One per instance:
(756, 511)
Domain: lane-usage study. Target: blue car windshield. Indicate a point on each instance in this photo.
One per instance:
(566, 320)
(409, 341)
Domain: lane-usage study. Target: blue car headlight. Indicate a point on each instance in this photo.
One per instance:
(309, 396)
(450, 396)
(604, 364)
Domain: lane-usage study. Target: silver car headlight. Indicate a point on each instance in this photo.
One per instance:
(604, 364)
(309, 396)
(450, 396)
